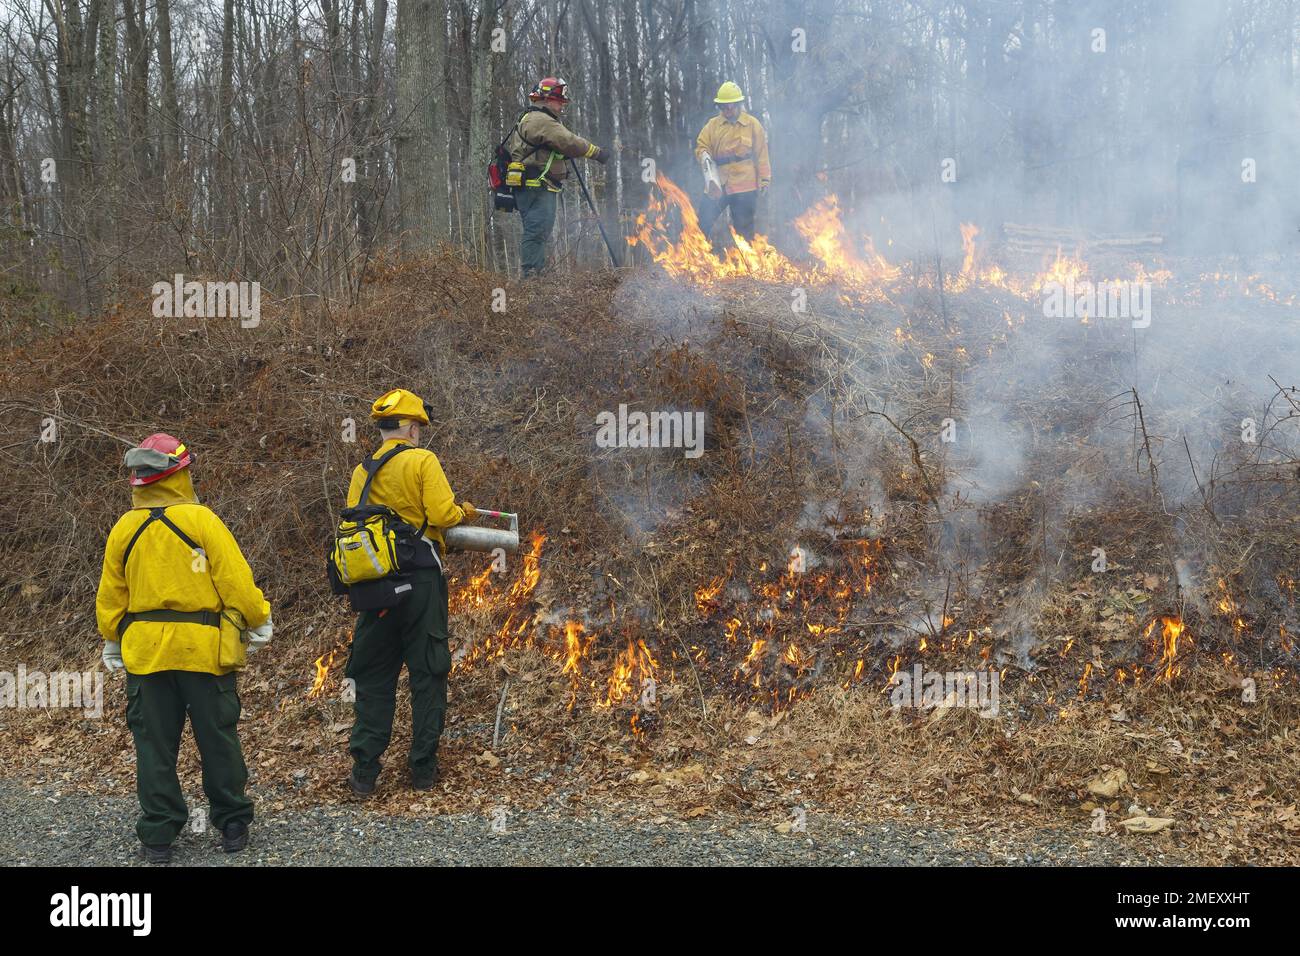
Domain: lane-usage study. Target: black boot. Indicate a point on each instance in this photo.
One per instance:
(425, 779)
(234, 837)
(360, 788)
(156, 852)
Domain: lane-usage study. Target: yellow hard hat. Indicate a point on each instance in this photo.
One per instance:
(399, 404)
(729, 92)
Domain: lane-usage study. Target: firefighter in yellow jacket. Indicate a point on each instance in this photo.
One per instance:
(732, 150)
(545, 147)
(178, 608)
(410, 482)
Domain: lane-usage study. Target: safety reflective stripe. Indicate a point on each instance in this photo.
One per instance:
(363, 543)
(541, 177)
(372, 554)
(433, 546)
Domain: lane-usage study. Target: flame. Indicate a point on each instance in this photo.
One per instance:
(706, 595)
(862, 271)
(1171, 632)
(824, 232)
(893, 669)
(573, 632)
(323, 665)
(793, 656)
(634, 668)
(512, 609)
(730, 629)
(968, 233)
(692, 255)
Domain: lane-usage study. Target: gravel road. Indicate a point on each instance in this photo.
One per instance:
(39, 826)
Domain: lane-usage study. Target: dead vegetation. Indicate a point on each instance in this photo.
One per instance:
(710, 635)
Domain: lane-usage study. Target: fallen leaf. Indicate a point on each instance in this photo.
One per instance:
(1146, 824)
(691, 773)
(1108, 784)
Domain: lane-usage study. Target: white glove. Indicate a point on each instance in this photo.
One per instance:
(260, 636)
(712, 179)
(112, 656)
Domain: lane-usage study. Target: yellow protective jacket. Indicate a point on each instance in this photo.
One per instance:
(163, 574)
(542, 129)
(739, 149)
(413, 485)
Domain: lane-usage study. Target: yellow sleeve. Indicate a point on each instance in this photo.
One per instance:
(112, 599)
(231, 575)
(440, 508)
(760, 155)
(355, 485)
(703, 143)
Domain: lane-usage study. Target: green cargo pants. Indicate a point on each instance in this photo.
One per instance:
(155, 711)
(537, 206)
(415, 632)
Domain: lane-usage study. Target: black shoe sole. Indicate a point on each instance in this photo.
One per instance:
(154, 857)
(420, 784)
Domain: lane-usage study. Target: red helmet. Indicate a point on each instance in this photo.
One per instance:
(156, 457)
(550, 88)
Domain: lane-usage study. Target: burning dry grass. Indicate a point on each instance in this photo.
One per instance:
(701, 636)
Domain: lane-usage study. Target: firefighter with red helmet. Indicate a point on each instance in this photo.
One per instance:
(178, 610)
(544, 147)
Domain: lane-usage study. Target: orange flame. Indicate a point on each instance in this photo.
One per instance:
(1171, 632)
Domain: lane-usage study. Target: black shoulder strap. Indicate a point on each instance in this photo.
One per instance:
(177, 531)
(517, 131)
(156, 514)
(372, 466)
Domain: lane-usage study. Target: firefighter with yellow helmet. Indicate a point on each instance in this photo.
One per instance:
(178, 610)
(408, 480)
(732, 151)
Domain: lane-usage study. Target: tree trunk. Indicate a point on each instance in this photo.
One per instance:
(482, 136)
(416, 166)
(171, 111)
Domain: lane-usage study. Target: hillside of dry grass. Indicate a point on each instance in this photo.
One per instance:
(664, 647)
